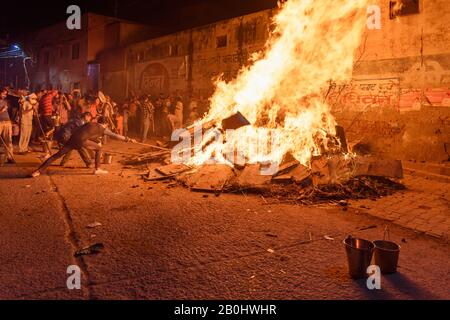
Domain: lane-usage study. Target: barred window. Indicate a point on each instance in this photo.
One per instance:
(222, 41)
(399, 8)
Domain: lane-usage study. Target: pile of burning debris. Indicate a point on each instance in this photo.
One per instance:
(279, 102)
(333, 176)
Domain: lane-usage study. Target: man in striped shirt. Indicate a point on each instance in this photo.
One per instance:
(46, 110)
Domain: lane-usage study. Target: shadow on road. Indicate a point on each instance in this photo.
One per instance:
(396, 283)
(373, 294)
(409, 287)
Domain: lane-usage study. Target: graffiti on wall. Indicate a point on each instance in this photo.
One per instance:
(154, 79)
(372, 94)
(208, 67)
(414, 99)
(161, 76)
(364, 94)
(227, 64)
(428, 85)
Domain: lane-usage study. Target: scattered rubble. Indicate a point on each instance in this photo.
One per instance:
(92, 249)
(328, 178)
(250, 179)
(370, 166)
(209, 178)
(93, 225)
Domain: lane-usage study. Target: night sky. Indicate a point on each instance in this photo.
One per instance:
(19, 16)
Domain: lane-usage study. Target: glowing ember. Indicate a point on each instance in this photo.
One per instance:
(282, 92)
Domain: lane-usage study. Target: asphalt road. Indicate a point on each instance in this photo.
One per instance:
(166, 242)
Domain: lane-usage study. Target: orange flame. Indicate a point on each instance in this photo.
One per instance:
(282, 92)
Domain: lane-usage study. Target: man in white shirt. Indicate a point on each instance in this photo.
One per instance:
(27, 106)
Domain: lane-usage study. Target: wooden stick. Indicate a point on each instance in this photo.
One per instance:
(44, 136)
(7, 149)
(160, 178)
(119, 152)
(152, 146)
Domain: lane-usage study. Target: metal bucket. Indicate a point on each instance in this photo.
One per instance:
(386, 255)
(359, 255)
(107, 158)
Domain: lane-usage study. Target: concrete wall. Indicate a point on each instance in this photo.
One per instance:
(398, 103)
(186, 62)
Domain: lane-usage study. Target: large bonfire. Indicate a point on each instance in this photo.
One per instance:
(278, 111)
(282, 91)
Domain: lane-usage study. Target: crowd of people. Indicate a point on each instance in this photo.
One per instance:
(50, 117)
(160, 115)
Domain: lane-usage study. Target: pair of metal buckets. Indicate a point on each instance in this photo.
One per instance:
(360, 253)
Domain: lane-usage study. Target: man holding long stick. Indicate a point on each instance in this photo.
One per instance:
(6, 126)
(83, 138)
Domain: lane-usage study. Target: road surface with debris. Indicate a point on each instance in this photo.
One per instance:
(162, 241)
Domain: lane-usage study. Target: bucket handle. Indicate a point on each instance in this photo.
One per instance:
(387, 234)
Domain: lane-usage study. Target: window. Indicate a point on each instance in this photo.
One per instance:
(75, 51)
(222, 41)
(173, 50)
(399, 8)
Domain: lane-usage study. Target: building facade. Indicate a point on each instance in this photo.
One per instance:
(187, 61)
(69, 59)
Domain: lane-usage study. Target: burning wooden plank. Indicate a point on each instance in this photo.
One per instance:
(320, 172)
(283, 179)
(156, 176)
(235, 121)
(251, 179)
(172, 169)
(300, 173)
(370, 166)
(210, 178)
(339, 168)
(145, 158)
(286, 167)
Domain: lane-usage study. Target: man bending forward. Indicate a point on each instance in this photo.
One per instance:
(82, 138)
